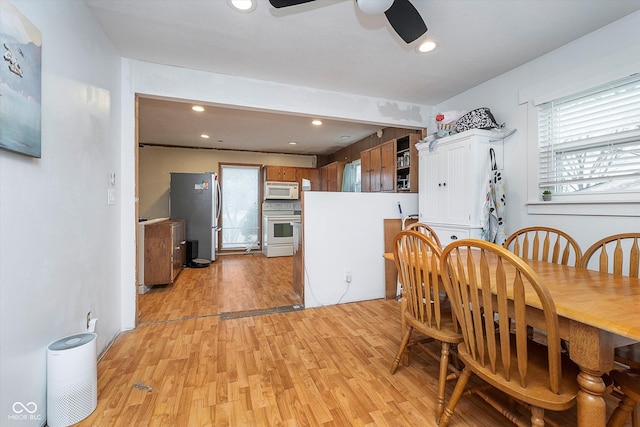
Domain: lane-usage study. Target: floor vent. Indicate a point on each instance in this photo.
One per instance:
(260, 312)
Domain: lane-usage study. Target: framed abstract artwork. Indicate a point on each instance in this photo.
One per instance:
(20, 82)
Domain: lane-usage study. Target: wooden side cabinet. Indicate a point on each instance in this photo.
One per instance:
(331, 176)
(407, 164)
(391, 166)
(164, 251)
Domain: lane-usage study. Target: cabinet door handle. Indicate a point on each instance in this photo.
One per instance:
(453, 237)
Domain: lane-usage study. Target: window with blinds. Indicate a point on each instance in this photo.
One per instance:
(590, 142)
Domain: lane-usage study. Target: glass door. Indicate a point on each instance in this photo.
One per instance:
(240, 216)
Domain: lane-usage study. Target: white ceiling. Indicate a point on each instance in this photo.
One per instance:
(332, 45)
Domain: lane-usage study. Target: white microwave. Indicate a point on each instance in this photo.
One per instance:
(280, 190)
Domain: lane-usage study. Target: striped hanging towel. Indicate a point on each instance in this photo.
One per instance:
(494, 210)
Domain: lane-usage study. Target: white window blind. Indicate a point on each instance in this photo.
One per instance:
(590, 141)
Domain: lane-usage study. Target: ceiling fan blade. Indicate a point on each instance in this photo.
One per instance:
(286, 3)
(406, 20)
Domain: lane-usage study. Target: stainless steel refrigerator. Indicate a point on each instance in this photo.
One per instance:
(195, 197)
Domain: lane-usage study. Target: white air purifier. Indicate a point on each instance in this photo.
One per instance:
(72, 379)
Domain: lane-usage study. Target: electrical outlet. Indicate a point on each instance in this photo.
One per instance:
(347, 275)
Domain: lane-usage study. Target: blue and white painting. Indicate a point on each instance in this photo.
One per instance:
(20, 84)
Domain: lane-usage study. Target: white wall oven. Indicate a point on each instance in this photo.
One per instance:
(277, 228)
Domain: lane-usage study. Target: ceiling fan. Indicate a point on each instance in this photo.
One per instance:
(401, 14)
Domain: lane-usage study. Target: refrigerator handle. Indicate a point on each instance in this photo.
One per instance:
(219, 201)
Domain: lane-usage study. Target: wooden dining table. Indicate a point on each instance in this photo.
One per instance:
(597, 312)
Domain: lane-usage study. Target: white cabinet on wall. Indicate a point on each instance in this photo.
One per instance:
(453, 183)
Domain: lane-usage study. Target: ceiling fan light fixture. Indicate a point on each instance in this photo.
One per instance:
(243, 5)
(374, 7)
(427, 46)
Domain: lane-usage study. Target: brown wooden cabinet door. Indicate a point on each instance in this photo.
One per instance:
(332, 171)
(365, 171)
(301, 173)
(288, 174)
(388, 166)
(314, 177)
(324, 178)
(376, 165)
(272, 173)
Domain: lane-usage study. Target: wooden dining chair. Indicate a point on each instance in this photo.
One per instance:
(417, 259)
(544, 244)
(620, 254)
(486, 283)
(423, 228)
(617, 254)
(628, 383)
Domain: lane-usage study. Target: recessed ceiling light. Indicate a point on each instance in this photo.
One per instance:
(316, 122)
(292, 143)
(243, 5)
(427, 46)
(205, 136)
(345, 138)
(197, 108)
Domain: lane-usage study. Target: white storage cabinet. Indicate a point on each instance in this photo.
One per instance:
(453, 183)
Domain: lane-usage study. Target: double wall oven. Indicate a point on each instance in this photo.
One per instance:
(278, 218)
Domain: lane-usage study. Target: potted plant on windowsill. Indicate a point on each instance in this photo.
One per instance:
(546, 195)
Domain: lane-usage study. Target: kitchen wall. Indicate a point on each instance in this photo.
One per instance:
(157, 163)
(610, 51)
(346, 231)
(59, 239)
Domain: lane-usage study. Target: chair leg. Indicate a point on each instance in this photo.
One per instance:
(403, 345)
(537, 417)
(455, 396)
(635, 416)
(442, 379)
(620, 414)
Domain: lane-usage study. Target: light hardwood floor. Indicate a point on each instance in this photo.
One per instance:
(230, 284)
(186, 366)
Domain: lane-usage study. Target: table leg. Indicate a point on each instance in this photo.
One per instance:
(592, 350)
(592, 409)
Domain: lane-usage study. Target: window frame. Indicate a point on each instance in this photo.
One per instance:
(547, 145)
(529, 97)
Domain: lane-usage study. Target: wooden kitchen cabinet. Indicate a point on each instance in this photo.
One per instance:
(279, 173)
(378, 168)
(331, 176)
(314, 177)
(164, 251)
(391, 166)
